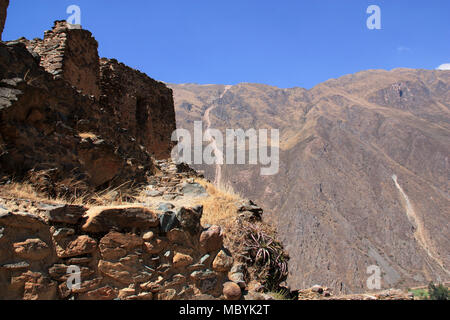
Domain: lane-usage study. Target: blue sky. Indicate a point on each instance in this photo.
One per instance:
(285, 43)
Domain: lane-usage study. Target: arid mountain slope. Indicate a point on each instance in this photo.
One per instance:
(364, 176)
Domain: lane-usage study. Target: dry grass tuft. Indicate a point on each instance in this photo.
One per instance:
(26, 191)
(220, 207)
(20, 191)
(29, 191)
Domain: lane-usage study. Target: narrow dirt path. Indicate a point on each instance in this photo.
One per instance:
(218, 153)
(419, 234)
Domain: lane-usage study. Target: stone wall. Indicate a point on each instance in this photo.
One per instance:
(3, 8)
(48, 126)
(136, 103)
(74, 117)
(122, 253)
(140, 104)
(70, 54)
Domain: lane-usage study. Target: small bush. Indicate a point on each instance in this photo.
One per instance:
(439, 292)
(421, 294)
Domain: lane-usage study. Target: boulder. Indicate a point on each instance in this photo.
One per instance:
(35, 286)
(190, 218)
(193, 190)
(62, 233)
(255, 286)
(156, 245)
(59, 272)
(196, 267)
(148, 236)
(237, 275)
(181, 260)
(165, 206)
(168, 221)
(238, 278)
(211, 239)
(100, 161)
(22, 220)
(317, 288)
(126, 293)
(68, 214)
(167, 295)
(116, 245)
(127, 270)
(75, 246)
(85, 286)
(32, 249)
(153, 193)
(22, 265)
(153, 286)
(232, 291)
(178, 236)
(249, 211)
(120, 218)
(205, 281)
(223, 261)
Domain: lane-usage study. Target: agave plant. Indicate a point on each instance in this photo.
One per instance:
(266, 251)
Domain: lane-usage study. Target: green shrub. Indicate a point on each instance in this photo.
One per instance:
(439, 292)
(421, 294)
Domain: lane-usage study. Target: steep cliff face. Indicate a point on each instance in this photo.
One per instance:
(3, 7)
(363, 172)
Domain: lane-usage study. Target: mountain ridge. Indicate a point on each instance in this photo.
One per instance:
(364, 128)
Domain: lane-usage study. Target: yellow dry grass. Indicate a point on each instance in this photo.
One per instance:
(220, 207)
(20, 191)
(26, 191)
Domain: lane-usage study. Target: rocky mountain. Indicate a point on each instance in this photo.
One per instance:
(364, 172)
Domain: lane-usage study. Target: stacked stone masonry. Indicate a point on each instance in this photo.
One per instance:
(124, 252)
(70, 54)
(64, 116)
(137, 104)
